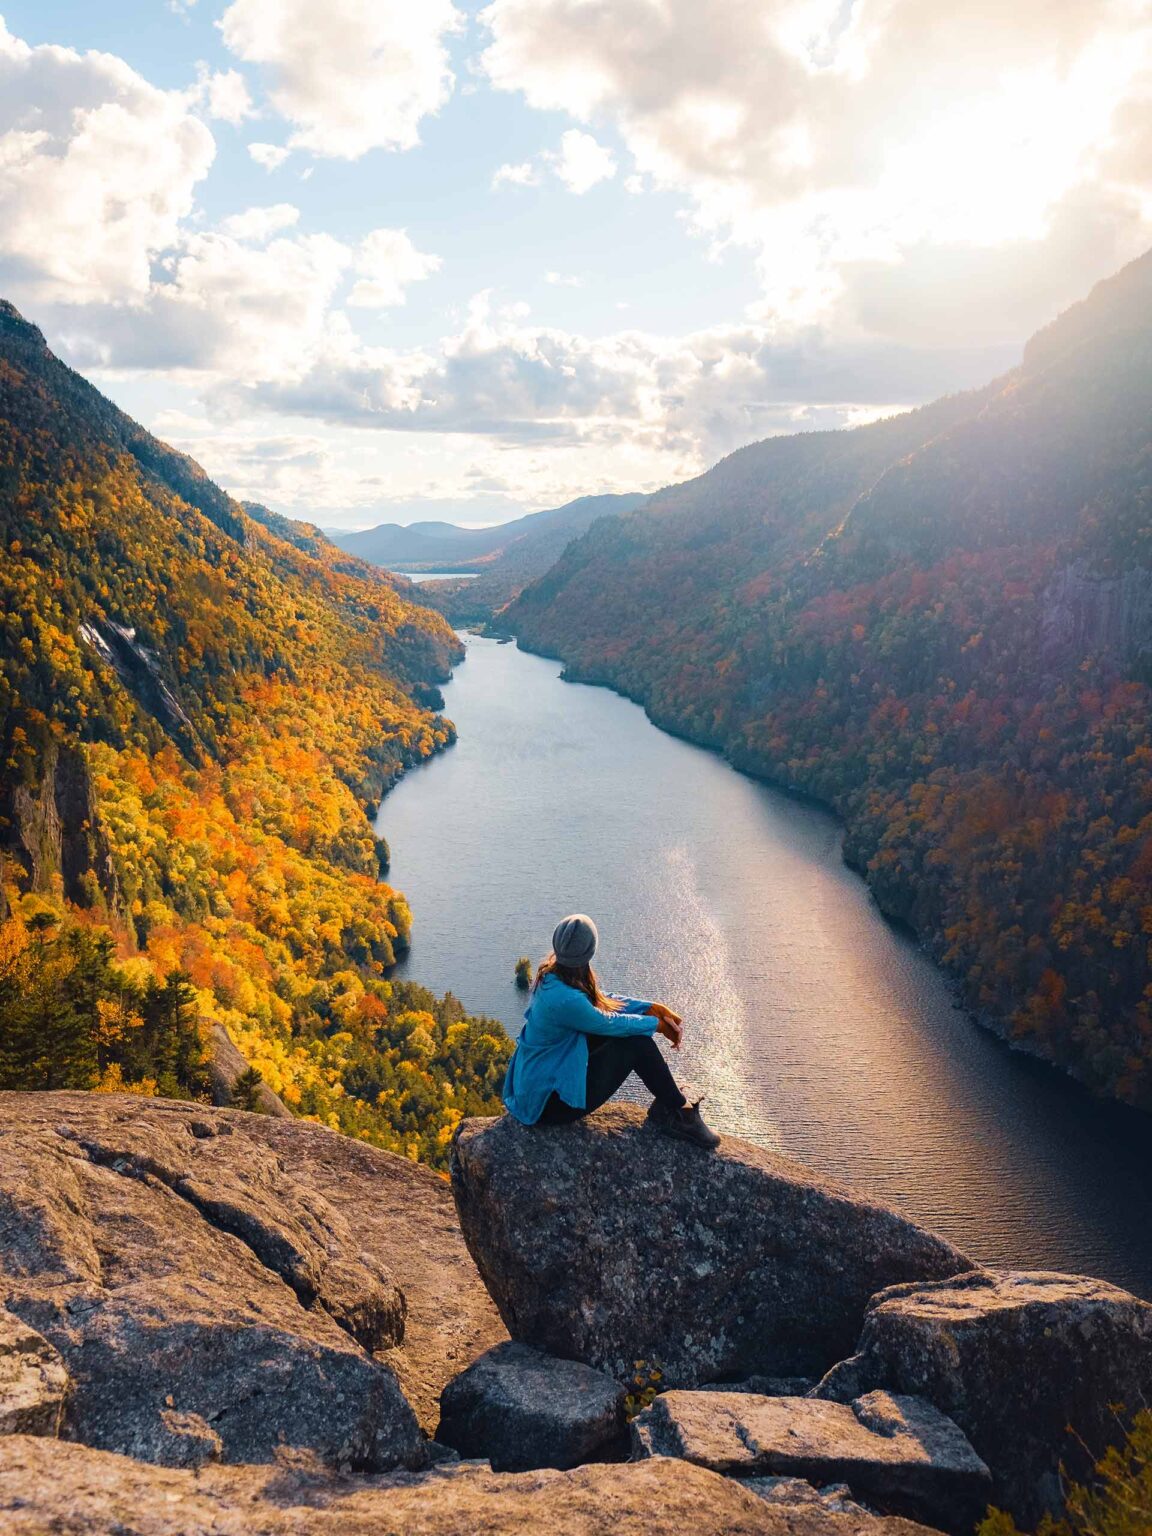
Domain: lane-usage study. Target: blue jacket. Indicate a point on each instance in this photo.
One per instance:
(551, 1054)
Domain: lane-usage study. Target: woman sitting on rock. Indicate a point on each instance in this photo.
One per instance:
(579, 1044)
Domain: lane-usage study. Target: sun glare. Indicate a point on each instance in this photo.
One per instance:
(991, 170)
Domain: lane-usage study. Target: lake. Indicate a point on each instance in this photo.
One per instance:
(813, 1026)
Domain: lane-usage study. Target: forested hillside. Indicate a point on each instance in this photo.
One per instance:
(195, 716)
(942, 625)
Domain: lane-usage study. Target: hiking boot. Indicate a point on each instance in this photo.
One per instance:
(686, 1123)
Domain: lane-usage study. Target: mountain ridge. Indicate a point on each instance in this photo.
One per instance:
(195, 718)
(440, 544)
(940, 624)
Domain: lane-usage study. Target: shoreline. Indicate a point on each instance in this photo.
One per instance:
(984, 1022)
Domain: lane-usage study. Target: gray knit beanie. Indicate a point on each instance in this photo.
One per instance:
(575, 940)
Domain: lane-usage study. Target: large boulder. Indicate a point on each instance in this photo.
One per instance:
(33, 1381)
(219, 1284)
(520, 1409)
(606, 1242)
(898, 1453)
(73, 1491)
(1031, 1366)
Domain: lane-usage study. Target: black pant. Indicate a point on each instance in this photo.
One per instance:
(610, 1060)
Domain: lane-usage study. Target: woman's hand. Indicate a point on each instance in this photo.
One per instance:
(672, 1029)
(671, 1026)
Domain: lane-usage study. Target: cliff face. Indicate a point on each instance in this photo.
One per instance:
(55, 835)
(941, 625)
(1084, 614)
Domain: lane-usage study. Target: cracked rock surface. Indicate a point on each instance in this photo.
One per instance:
(1038, 1369)
(73, 1491)
(217, 1290)
(898, 1453)
(735, 1263)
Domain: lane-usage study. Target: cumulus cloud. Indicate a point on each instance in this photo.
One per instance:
(549, 413)
(270, 156)
(581, 162)
(260, 224)
(524, 173)
(224, 304)
(685, 399)
(856, 146)
(386, 263)
(350, 75)
(224, 95)
(245, 303)
(97, 170)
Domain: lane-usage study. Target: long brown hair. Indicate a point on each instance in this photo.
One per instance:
(582, 977)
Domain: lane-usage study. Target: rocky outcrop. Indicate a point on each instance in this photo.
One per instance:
(227, 1066)
(73, 1491)
(217, 1290)
(141, 671)
(33, 1381)
(898, 1453)
(1031, 1366)
(1083, 613)
(55, 832)
(258, 1315)
(607, 1243)
(521, 1410)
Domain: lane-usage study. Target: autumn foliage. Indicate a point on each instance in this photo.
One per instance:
(195, 717)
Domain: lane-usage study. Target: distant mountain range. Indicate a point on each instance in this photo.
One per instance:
(942, 625)
(448, 546)
(494, 563)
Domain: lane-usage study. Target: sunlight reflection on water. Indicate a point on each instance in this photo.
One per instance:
(814, 1028)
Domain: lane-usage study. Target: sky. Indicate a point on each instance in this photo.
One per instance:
(374, 260)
